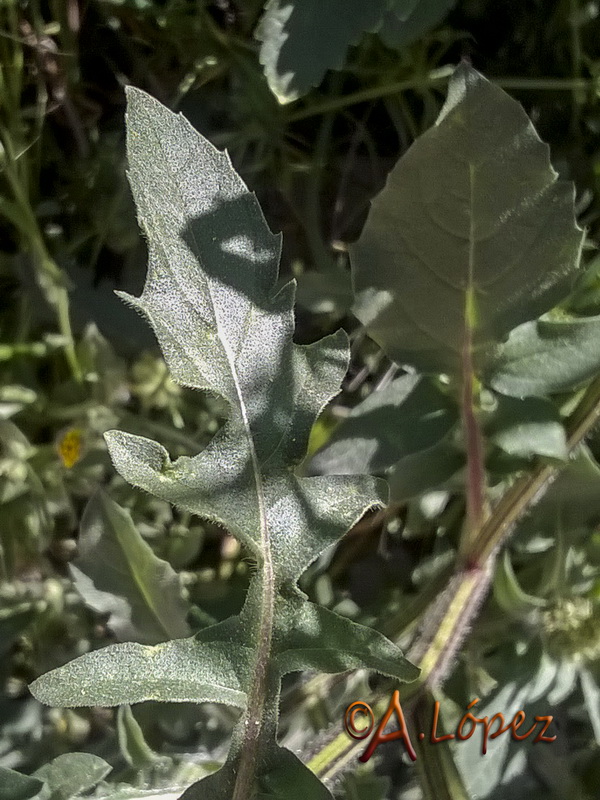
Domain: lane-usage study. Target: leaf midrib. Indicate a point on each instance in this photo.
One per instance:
(256, 693)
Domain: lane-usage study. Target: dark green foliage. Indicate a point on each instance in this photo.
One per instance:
(491, 457)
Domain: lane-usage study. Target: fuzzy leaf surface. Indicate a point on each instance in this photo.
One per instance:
(547, 356)
(211, 298)
(210, 667)
(117, 573)
(472, 235)
(72, 773)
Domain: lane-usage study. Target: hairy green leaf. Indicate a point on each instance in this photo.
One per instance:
(210, 667)
(545, 356)
(409, 415)
(211, 297)
(72, 773)
(117, 573)
(14, 786)
(471, 236)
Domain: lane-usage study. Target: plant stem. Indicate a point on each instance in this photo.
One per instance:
(447, 620)
(476, 477)
(438, 77)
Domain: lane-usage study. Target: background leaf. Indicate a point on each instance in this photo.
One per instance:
(14, 786)
(471, 236)
(531, 426)
(409, 415)
(302, 39)
(117, 573)
(406, 20)
(545, 356)
(134, 748)
(72, 773)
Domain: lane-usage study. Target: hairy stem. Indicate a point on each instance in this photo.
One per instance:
(476, 478)
(437, 645)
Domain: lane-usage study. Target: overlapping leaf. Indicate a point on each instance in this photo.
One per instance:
(210, 296)
(546, 356)
(409, 415)
(117, 573)
(302, 39)
(472, 236)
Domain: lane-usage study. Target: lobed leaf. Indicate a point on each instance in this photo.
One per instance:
(223, 326)
(292, 65)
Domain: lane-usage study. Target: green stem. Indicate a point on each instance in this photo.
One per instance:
(447, 620)
(437, 78)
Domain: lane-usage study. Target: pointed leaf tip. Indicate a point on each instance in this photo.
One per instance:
(472, 202)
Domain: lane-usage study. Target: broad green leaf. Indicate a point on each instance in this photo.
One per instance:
(546, 356)
(72, 773)
(411, 414)
(527, 427)
(208, 668)
(471, 236)
(302, 39)
(14, 786)
(425, 470)
(117, 574)
(223, 326)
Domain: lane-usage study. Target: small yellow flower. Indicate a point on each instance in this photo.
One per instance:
(70, 446)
